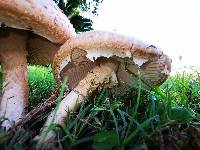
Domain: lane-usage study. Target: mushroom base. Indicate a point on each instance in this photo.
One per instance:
(100, 76)
(15, 87)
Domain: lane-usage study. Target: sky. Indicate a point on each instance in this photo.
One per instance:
(172, 25)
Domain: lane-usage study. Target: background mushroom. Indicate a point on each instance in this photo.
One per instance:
(41, 17)
(98, 59)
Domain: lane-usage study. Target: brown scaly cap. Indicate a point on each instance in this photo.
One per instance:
(43, 17)
(83, 52)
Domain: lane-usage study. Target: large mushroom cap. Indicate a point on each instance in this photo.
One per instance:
(85, 51)
(43, 17)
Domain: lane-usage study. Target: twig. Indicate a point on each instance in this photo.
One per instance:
(40, 110)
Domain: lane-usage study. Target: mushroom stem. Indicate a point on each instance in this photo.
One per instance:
(15, 88)
(99, 77)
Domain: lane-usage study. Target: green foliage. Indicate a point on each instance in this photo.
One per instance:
(167, 116)
(41, 84)
(182, 115)
(105, 140)
(133, 119)
(73, 10)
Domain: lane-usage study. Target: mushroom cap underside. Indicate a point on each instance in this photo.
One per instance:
(43, 17)
(83, 52)
(40, 51)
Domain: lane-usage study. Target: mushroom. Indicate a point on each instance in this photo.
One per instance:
(98, 59)
(43, 18)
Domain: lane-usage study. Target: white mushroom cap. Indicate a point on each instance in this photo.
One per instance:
(43, 17)
(83, 52)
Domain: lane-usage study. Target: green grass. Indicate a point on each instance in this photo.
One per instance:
(41, 84)
(167, 116)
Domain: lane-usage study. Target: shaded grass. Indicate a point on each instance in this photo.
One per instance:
(166, 117)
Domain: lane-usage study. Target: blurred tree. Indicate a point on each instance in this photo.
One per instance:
(74, 10)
